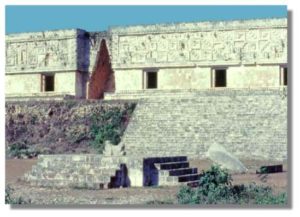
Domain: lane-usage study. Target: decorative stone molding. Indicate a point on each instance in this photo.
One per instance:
(262, 41)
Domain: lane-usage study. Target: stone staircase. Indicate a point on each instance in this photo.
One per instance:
(248, 123)
(78, 171)
(169, 171)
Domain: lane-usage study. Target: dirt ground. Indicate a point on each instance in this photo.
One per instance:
(15, 168)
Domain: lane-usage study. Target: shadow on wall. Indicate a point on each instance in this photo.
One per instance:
(121, 178)
(150, 173)
(102, 79)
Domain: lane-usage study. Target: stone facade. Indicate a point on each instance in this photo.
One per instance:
(67, 55)
(29, 55)
(184, 56)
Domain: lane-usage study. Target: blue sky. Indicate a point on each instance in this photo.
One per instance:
(99, 18)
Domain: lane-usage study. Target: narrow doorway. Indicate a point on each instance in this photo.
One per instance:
(151, 80)
(220, 78)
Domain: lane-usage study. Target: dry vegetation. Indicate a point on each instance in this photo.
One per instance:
(56, 127)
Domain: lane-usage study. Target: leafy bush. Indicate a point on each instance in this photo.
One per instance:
(9, 199)
(263, 195)
(21, 150)
(109, 125)
(215, 187)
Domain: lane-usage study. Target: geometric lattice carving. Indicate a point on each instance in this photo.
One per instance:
(229, 42)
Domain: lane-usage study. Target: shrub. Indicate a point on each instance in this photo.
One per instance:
(76, 134)
(21, 150)
(109, 125)
(9, 199)
(263, 195)
(215, 187)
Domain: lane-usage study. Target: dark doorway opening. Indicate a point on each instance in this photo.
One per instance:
(151, 80)
(220, 78)
(285, 77)
(47, 83)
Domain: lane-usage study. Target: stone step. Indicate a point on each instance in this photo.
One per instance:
(193, 184)
(74, 177)
(165, 159)
(75, 164)
(60, 180)
(70, 172)
(180, 172)
(72, 168)
(66, 183)
(114, 180)
(50, 183)
(188, 178)
(172, 166)
(191, 124)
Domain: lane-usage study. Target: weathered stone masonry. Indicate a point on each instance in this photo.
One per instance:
(68, 56)
(29, 56)
(196, 84)
(252, 53)
(248, 123)
(186, 55)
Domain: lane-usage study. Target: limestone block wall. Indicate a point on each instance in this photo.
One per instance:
(185, 53)
(77, 171)
(62, 53)
(29, 83)
(131, 79)
(87, 171)
(253, 76)
(200, 78)
(250, 123)
(190, 78)
(26, 84)
(169, 78)
(65, 82)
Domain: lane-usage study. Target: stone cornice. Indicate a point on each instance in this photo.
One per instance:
(200, 26)
(43, 36)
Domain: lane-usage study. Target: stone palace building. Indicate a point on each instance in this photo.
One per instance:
(138, 59)
(195, 84)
